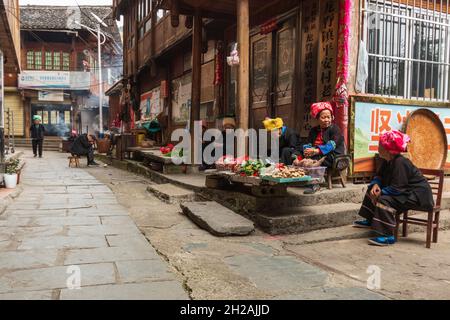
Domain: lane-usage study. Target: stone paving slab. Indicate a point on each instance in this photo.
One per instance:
(63, 242)
(143, 270)
(102, 229)
(55, 278)
(27, 295)
(123, 221)
(19, 232)
(134, 240)
(28, 259)
(66, 221)
(217, 219)
(166, 290)
(35, 213)
(110, 254)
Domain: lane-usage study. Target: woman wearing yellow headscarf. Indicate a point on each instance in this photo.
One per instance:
(289, 143)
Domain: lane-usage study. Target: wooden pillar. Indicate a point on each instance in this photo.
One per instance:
(243, 36)
(196, 79)
(27, 116)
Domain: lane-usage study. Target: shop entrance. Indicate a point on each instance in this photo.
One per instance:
(56, 118)
(272, 73)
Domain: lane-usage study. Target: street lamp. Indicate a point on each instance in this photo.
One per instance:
(99, 36)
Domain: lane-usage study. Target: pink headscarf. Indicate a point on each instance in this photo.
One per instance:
(317, 108)
(394, 141)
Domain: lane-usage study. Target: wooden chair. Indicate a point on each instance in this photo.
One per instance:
(432, 222)
(338, 171)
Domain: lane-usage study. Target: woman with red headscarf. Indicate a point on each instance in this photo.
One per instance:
(398, 186)
(324, 140)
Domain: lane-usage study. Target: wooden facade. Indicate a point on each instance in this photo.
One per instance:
(288, 56)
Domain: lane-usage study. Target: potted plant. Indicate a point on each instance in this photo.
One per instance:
(10, 175)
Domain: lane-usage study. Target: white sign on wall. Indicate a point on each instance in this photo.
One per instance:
(51, 96)
(73, 80)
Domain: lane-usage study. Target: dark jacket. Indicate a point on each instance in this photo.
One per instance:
(37, 131)
(81, 145)
(332, 133)
(401, 179)
(290, 139)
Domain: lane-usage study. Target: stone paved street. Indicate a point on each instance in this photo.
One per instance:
(131, 245)
(65, 217)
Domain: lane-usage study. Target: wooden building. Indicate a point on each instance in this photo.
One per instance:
(59, 80)
(10, 50)
(379, 60)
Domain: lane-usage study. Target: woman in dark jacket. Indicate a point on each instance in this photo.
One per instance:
(289, 141)
(324, 140)
(83, 145)
(398, 186)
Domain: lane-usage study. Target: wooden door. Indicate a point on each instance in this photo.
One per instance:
(284, 64)
(261, 73)
(272, 74)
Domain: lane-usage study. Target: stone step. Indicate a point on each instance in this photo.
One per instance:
(217, 219)
(349, 232)
(171, 194)
(305, 219)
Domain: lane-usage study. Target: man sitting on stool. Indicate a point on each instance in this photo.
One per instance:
(84, 146)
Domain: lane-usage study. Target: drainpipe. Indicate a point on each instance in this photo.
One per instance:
(341, 96)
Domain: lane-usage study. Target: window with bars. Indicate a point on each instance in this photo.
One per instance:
(30, 60)
(66, 62)
(48, 61)
(408, 45)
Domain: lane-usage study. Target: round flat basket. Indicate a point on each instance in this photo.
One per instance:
(428, 147)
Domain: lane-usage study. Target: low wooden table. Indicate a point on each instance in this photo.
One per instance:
(156, 161)
(258, 186)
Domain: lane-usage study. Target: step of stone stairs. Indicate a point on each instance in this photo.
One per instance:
(171, 194)
(217, 219)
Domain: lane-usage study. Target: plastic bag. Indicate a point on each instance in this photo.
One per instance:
(233, 59)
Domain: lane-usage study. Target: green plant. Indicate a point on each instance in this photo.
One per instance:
(12, 166)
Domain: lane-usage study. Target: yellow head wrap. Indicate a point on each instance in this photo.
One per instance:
(273, 124)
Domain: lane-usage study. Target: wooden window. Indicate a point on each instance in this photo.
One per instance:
(66, 61)
(30, 60)
(48, 61)
(38, 60)
(56, 61)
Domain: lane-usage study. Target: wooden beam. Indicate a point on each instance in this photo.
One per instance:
(196, 79)
(243, 30)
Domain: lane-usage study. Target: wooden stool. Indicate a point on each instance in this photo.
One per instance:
(74, 161)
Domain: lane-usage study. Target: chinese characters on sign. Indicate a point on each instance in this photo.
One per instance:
(372, 119)
(319, 54)
(309, 60)
(328, 49)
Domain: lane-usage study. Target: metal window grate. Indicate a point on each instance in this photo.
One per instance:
(408, 44)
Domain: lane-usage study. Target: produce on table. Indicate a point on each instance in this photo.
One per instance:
(169, 152)
(250, 168)
(288, 172)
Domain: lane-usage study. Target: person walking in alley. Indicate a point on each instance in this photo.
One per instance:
(37, 131)
(398, 186)
(83, 145)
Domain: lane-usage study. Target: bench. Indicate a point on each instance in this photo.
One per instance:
(74, 161)
(156, 161)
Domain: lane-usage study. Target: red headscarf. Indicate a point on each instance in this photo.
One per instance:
(317, 108)
(394, 141)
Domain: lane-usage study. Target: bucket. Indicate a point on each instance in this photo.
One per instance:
(10, 180)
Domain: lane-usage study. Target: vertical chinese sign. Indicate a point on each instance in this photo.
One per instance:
(320, 25)
(329, 18)
(310, 37)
